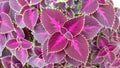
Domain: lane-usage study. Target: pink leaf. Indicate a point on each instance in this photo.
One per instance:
(89, 6)
(2, 43)
(78, 49)
(21, 55)
(30, 17)
(5, 23)
(35, 1)
(102, 1)
(14, 5)
(102, 42)
(13, 43)
(91, 27)
(4, 7)
(52, 20)
(52, 57)
(103, 15)
(110, 57)
(26, 44)
(22, 2)
(57, 42)
(116, 23)
(75, 25)
(6, 61)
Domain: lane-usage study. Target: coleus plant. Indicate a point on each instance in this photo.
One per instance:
(59, 34)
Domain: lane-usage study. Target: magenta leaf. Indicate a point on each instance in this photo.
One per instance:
(116, 23)
(4, 7)
(40, 33)
(103, 15)
(21, 55)
(6, 61)
(12, 44)
(89, 6)
(5, 23)
(49, 66)
(60, 42)
(91, 27)
(75, 25)
(26, 44)
(72, 61)
(102, 52)
(35, 61)
(52, 20)
(116, 63)
(14, 5)
(79, 46)
(19, 21)
(110, 57)
(30, 17)
(22, 2)
(102, 42)
(52, 57)
(102, 1)
(2, 43)
(38, 51)
(15, 62)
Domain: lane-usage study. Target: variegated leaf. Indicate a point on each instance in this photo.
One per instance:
(78, 49)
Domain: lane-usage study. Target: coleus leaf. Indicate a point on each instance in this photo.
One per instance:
(89, 6)
(14, 5)
(51, 58)
(35, 61)
(30, 18)
(5, 23)
(26, 44)
(116, 23)
(80, 47)
(6, 61)
(72, 61)
(38, 51)
(3, 40)
(19, 21)
(21, 55)
(32, 2)
(102, 1)
(22, 2)
(91, 27)
(16, 62)
(12, 44)
(103, 15)
(102, 42)
(110, 57)
(116, 63)
(49, 66)
(4, 7)
(60, 42)
(75, 25)
(52, 20)
(40, 34)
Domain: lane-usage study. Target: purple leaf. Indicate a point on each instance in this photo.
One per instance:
(111, 47)
(116, 63)
(116, 23)
(2, 43)
(5, 23)
(103, 15)
(102, 42)
(57, 42)
(75, 25)
(49, 66)
(14, 5)
(21, 55)
(91, 27)
(6, 61)
(12, 44)
(4, 7)
(32, 2)
(40, 33)
(102, 52)
(16, 63)
(102, 1)
(38, 51)
(110, 57)
(79, 46)
(24, 8)
(35, 61)
(22, 2)
(30, 17)
(52, 20)
(19, 21)
(26, 44)
(52, 57)
(72, 61)
(89, 6)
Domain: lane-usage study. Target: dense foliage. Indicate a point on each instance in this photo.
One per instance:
(59, 34)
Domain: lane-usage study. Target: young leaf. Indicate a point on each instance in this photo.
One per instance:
(105, 15)
(26, 44)
(12, 44)
(91, 27)
(30, 18)
(5, 23)
(89, 6)
(80, 48)
(52, 20)
(75, 25)
(6, 61)
(57, 42)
